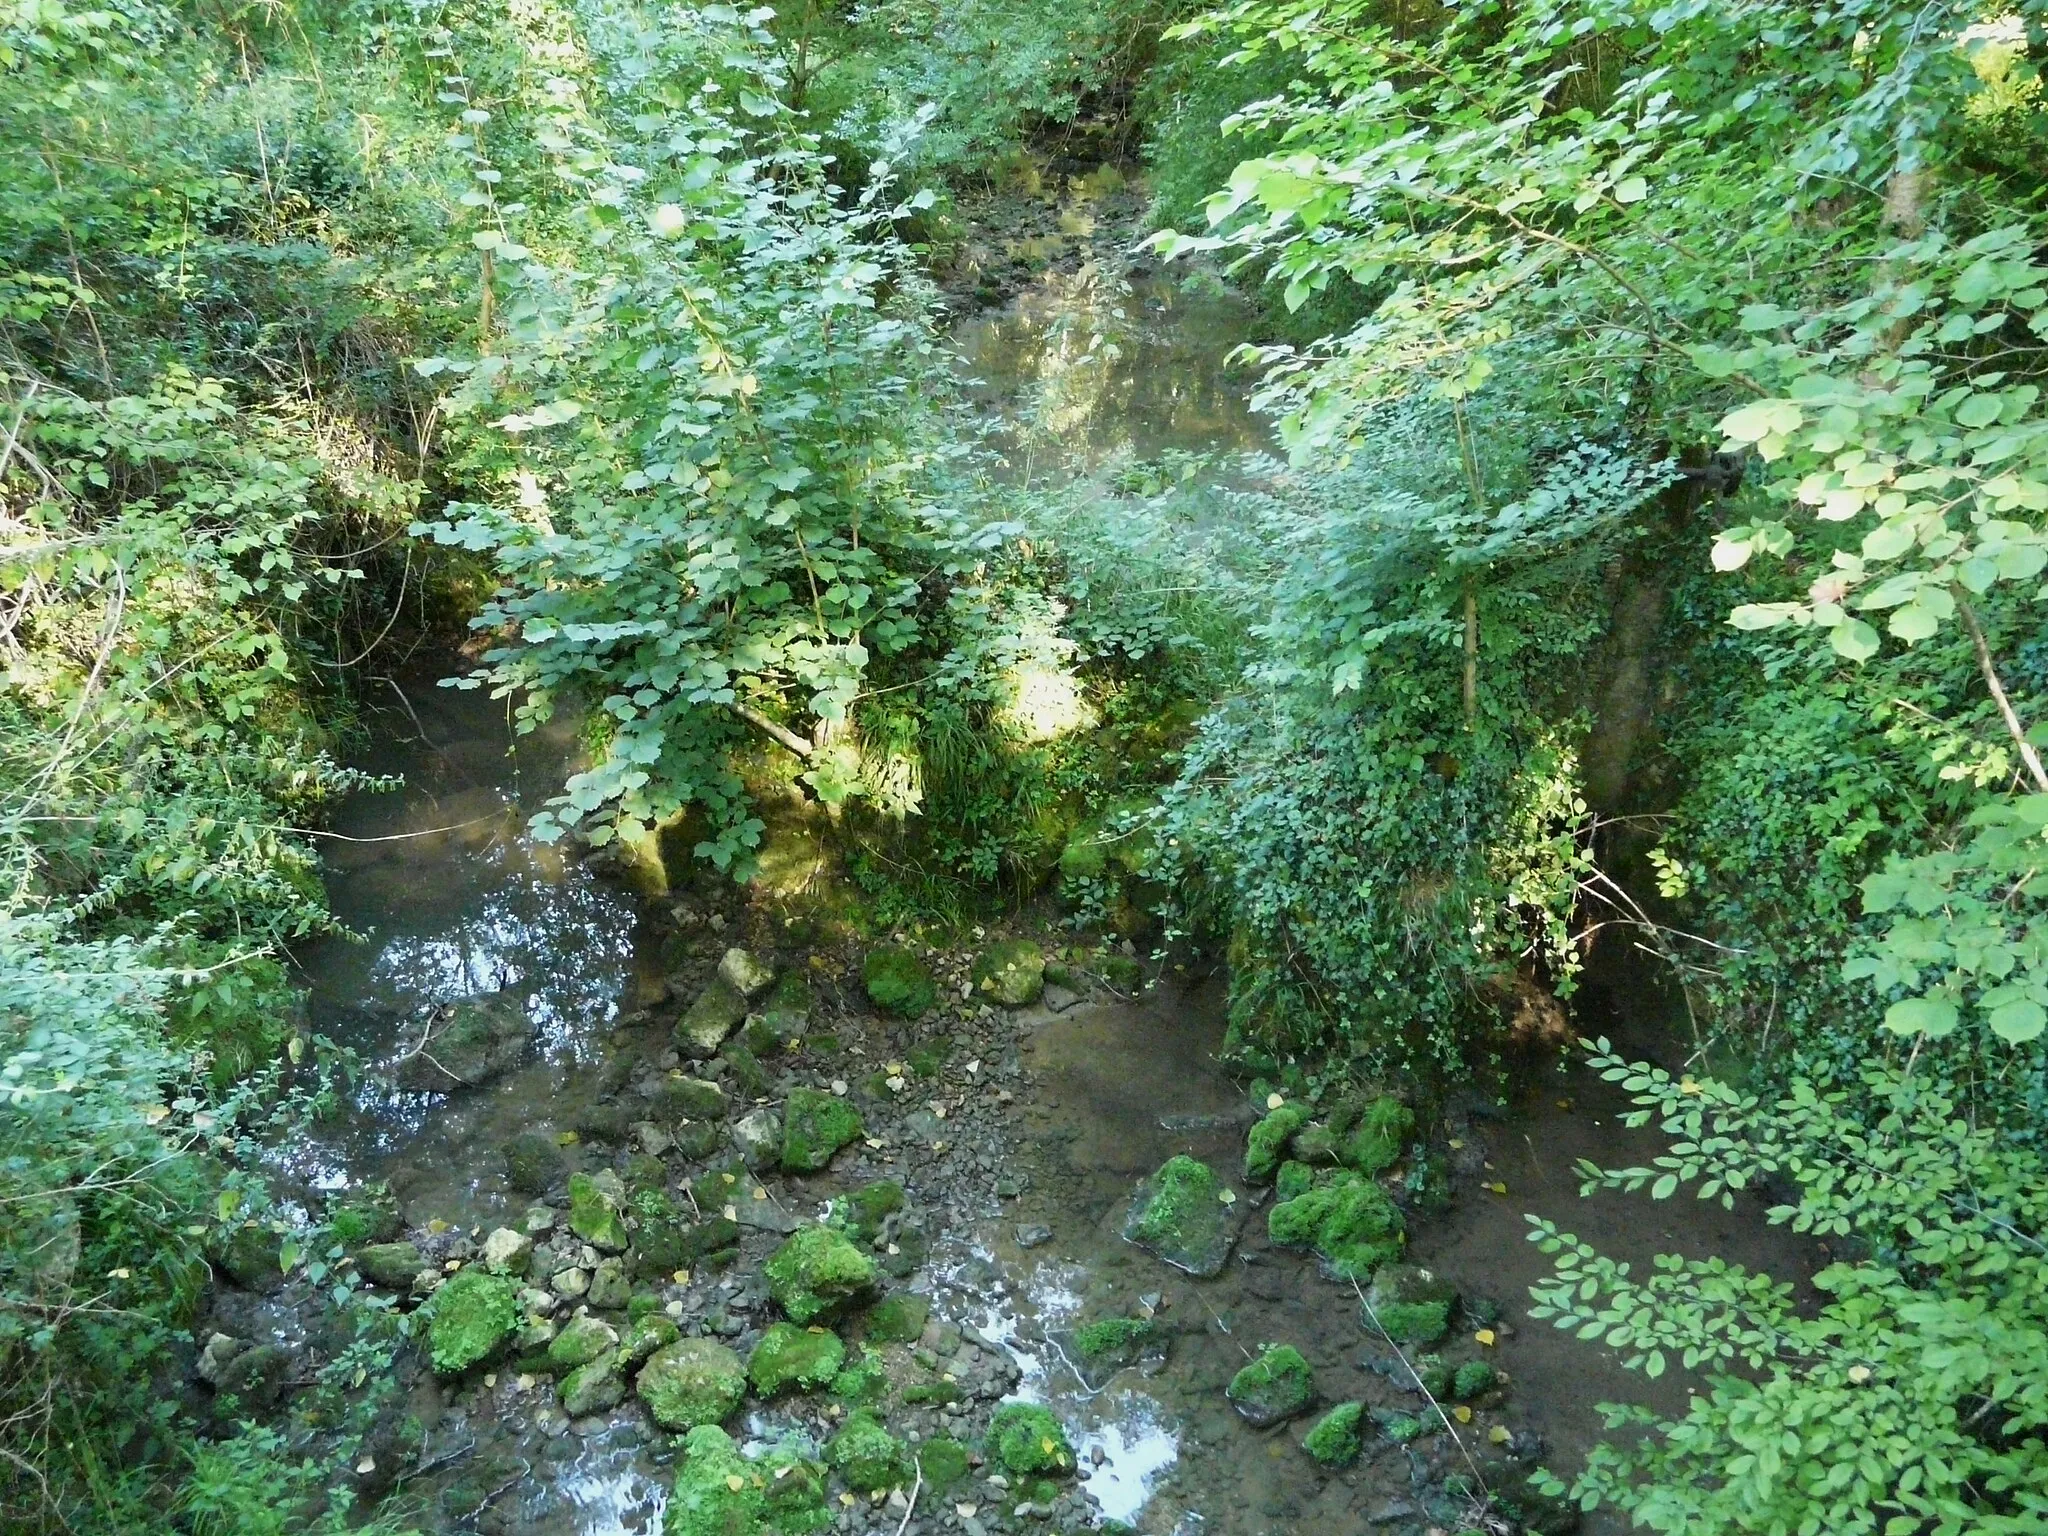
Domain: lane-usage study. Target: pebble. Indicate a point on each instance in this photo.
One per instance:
(1033, 1235)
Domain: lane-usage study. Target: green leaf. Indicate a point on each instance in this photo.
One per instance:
(2018, 1021)
(1934, 1017)
(1854, 639)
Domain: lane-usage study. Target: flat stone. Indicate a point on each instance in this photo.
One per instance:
(745, 974)
(213, 1359)
(1033, 1235)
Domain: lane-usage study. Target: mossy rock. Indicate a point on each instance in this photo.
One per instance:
(1293, 1180)
(368, 1216)
(679, 1097)
(581, 1340)
(787, 1013)
(1402, 1427)
(1010, 973)
(1350, 1223)
(1027, 1441)
(818, 1272)
(1317, 1145)
(691, 1382)
(898, 982)
(865, 1210)
(392, 1265)
(1273, 1388)
(469, 1043)
(867, 1455)
(594, 1211)
(1473, 1379)
(662, 1235)
(1413, 1304)
(945, 1463)
(717, 1491)
(1382, 1135)
(469, 1318)
(534, 1164)
(814, 1126)
(715, 1014)
(1117, 1341)
(789, 1357)
(649, 1332)
(592, 1388)
(1180, 1215)
(748, 1075)
(792, 1491)
(1338, 1437)
(862, 1382)
(898, 1319)
(248, 1255)
(1266, 1146)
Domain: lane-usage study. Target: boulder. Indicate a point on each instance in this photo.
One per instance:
(255, 1377)
(1338, 1438)
(678, 1097)
(789, 1357)
(816, 1125)
(867, 1455)
(507, 1252)
(534, 1164)
(1011, 973)
(582, 1340)
(817, 1272)
(1266, 1147)
(1412, 1305)
(1029, 1442)
(690, 1383)
(609, 1288)
(898, 1319)
(745, 974)
(594, 1202)
(468, 1043)
(898, 983)
(592, 1388)
(220, 1348)
(1180, 1215)
(1349, 1221)
(757, 1137)
(1273, 1388)
(248, 1255)
(391, 1265)
(1381, 1136)
(716, 1013)
(648, 1334)
(468, 1318)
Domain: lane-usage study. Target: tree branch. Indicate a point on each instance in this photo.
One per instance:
(781, 734)
(2006, 712)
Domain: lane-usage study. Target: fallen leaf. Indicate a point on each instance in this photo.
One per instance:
(966, 1511)
(760, 1194)
(874, 1141)
(734, 1481)
(1499, 1434)
(437, 1226)
(155, 1113)
(1457, 1145)
(566, 1139)
(491, 1379)
(1859, 1374)
(1227, 1196)
(1462, 1414)
(732, 1213)
(367, 1465)
(118, 1274)
(682, 1277)
(1484, 1336)
(1496, 1186)
(1274, 1101)
(846, 1499)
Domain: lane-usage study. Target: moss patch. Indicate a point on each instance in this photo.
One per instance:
(867, 1455)
(690, 1383)
(792, 1357)
(816, 1272)
(1011, 973)
(944, 1462)
(1180, 1215)
(717, 1493)
(1267, 1144)
(1349, 1222)
(594, 1214)
(1338, 1436)
(863, 1212)
(468, 1318)
(1273, 1388)
(1472, 1378)
(862, 1382)
(1027, 1440)
(899, 1319)
(814, 1126)
(1115, 1340)
(1381, 1136)
(898, 982)
(1293, 1181)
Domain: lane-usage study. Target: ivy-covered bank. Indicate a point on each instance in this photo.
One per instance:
(1647, 562)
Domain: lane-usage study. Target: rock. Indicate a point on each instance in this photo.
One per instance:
(391, 1265)
(368, 1216)
(1011, 973)
(1316, 1145)
(539, 1219)
(817, 1272)
(691, 1382)
(677, 1097)
(867, 1455)
(898, 983)
(867, 1210)
(570, 1283)
(715, 1014)
(507, 1252)
(1029, 1442)
(717, 1491)
(745, 974)
(609, 1288)
(898, 1319)
(649, 1333)
(1033, 1235)
(1273, 1388)
(764, 1215)
(468, 1318)
(1179, 1215)
(594, 1202)
(592, 1388)
(1349, 1222)
(248, 1255)
(816, 1125)
(255, 1377)
(791, 1357)
(1058, 999)
(1382, 1135)
(1411, 1304)
(538, 1302)
(220, 1348)
(788, 1011)
(757, 1137)
(1266, 1147)
(1117, 1341)
(534, 1164)
(468, 1043)
(1336, 1440)
(1392, 1513)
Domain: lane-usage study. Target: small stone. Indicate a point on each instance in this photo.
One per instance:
(1033, 1235)
(571, 1282)
(757, 1137)
(609, 1287)
(220, 1349)
(391, 1265)
(507, 1252)
(745, 974)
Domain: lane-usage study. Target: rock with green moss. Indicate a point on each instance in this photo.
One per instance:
(1182, 1215)
(864, 1211)
(534, 1163)
(1382, 1134)
(1266, 1146)
(862, 1382)
(1411, 1304)
(649, 1332)
(1350, 1223)
(1293, 1180)
(392, 1265)
(1472, 1379)
(818, 1272)
(945, 1463)
(787, 1013)
(691, 1382)
(594, 1211)
(677, 1097)
(717, 1491)
(1010, 973)
(898, 982)
(1402, 1427)
(1316, 1144)
(1273, 1388)
(749, 1077)
(814, 1126)
(581, 1340)
(1027, 1441)
(370, 1215)
(867, 1455)
(1118, 1341)
(468, 1043)
(897, 1319)
(469, 1318)
(249, 1255)
(792, 1491)
(715, 1014)
(1338, 1436)
(790, 1358)
(745, 973)
(592, 1388)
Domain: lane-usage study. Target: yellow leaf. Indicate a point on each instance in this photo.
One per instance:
(734, 1481)
(1274, 1101)
(732, 1213)
(566, 1138)
(1499, 1434)
(1497, 1187)
(1462, 1414)
(1485, 1336)
(682, 1277)
(1045, 1445)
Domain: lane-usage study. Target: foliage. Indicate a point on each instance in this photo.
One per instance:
(1916, 1394)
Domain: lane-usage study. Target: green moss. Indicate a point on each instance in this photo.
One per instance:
(1026, 1439)
(650, 1331)
(863, 1212)
(691, 1382)
(867, 1455)
(1381, 1136)
(1267, 1144)
(1293, 1181)
(945, 1463)
(1180, 1214)
(1401, 1427)
(898, 982)
(1414, 1322)
(1349, 1222)
(370, 1216)
(582, 1340)
(1337, 1437)
(594, 1214)
(705, 1500)
(1472, 1378)
(926, 1062)
(468, 1318)
(1011, 973)
(793, 1492)
(1114, 1340)
(862, 1382)
(789, 1356)
(748, 1075)
(814, 1126)
(899, 1319)
(816, 1272)
(1273, 1388)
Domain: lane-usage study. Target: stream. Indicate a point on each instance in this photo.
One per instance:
(1018, 1137)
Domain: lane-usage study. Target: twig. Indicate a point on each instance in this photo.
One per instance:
(1423, 1386)
(2005, 710)
(915, 1488)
